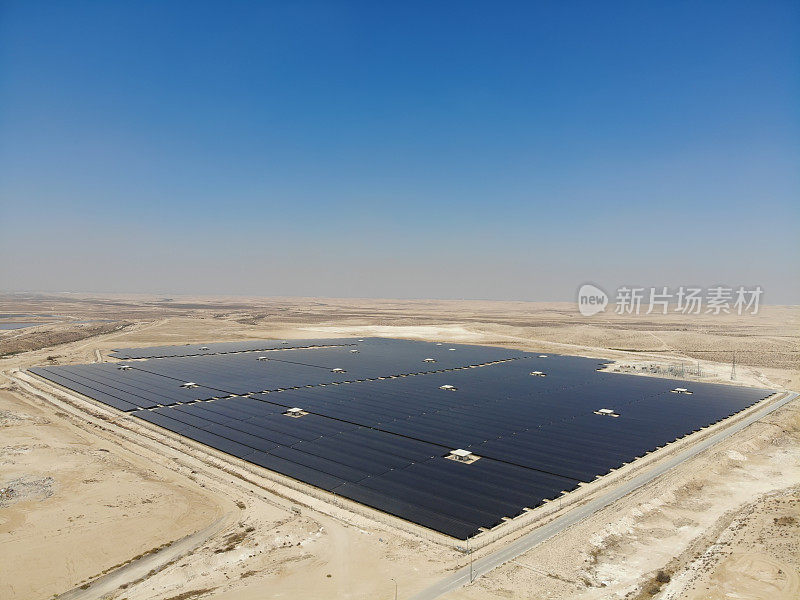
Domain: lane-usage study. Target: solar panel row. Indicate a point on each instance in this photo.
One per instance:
(220, 348)
(373, 435)
(354, 461)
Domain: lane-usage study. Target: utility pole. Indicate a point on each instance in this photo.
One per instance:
(733, 366)
(471, 578)
(395, 587)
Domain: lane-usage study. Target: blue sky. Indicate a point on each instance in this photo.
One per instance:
(447, 150)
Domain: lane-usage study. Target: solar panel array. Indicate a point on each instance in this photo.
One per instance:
(221, 348)
(379, 418)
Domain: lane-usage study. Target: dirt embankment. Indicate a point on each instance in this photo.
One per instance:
(49, 336)
(73, 506)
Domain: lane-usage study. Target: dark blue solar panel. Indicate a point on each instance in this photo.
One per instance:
(377, 423)
(220, 348)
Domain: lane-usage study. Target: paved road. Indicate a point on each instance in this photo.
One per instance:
(537, 536)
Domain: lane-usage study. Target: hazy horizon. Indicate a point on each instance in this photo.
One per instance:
(167, 298)
(353, 150)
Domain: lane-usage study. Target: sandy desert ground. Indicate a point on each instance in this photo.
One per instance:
(94, 501)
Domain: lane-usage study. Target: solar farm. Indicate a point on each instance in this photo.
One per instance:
(455, 438)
